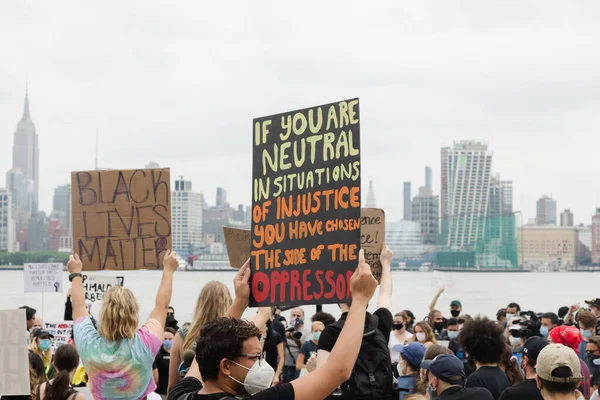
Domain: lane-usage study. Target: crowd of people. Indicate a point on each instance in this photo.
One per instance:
(519, 354)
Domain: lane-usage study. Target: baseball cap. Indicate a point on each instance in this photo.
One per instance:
(446, 367)
(413, 352)
(555, 356)
(456, 303)
(40, 332)
(594, 302)
(533, 346)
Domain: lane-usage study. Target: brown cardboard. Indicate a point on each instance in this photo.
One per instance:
(237, 242)
(121, 218)
(372, 237)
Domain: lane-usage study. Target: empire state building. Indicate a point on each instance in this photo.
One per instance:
(26, 158)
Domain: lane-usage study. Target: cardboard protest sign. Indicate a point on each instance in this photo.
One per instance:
(372, 237)
(237, 242)
(43, 277)
(96, 286)
(61, 331)
(121, 218)
(305, 205)
(14, 358)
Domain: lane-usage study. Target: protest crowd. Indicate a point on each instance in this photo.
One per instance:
(387, 354)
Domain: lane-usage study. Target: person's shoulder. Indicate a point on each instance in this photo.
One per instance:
(384, 313)
(183, 387)
(284, 391)
(479, 393)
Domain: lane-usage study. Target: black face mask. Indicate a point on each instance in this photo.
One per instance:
(455, 313)
(439, 326)
(398, 326)
(591, 357)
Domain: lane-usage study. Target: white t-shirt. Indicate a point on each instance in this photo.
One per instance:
(394, 355)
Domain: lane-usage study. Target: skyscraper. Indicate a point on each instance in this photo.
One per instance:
(8, 240)
(465, 176)
(407, 201)
(428, 185)
(186, 217)
(499, 221)
(371, 197)
(16, 184)
(26, 156)
(425, 210)
(596, 236)
(221, 198)
(61, 207)
(566, 218)
(546, 211)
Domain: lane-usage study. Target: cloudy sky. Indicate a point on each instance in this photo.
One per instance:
(179, 83)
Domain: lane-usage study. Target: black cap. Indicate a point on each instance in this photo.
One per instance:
(533, 346)
(446, 367)
(40, 332)
(594, 302)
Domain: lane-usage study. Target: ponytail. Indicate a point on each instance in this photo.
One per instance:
(61, 385)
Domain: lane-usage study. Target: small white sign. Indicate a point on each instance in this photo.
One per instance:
(96, 286)
(61, 332)
(43, 277)
(442, 280)
(14, 357)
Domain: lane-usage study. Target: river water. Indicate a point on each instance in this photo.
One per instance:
(480, 293)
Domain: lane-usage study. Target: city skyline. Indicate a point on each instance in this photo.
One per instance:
(536, 110)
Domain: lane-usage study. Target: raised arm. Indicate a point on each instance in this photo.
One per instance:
(165, 290)
(175, 361)
(75, 266)
(338, 367)
(435, 299)
(385, 286)
(242, 292)
(261, 317)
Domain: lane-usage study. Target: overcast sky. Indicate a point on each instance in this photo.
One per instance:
(180, 82)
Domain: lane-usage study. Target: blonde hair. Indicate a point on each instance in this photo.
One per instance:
(429, 335)
(317, 324)
(46, 356)
(213, 302)
(119, 315)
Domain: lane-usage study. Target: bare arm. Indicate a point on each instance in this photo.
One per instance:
(165, 290)
(339, 365)
(242, 292)
(75, 266)
(281, 360)
(155, 375)
(300, 362)
(260, 319)
(175, 361)
(435, 299)
(385, 286)
(322, 357)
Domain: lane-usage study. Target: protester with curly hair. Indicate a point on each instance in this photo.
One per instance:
(483, 341)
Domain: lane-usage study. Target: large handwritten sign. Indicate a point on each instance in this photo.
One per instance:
(14, 358)
(61, 332)
(372, 237)
(95, 287)
(305, 205)
(43, 277)
(121, 218)
(237, 242)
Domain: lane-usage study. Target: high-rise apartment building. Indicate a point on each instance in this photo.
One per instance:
(428, 182)
(407, 201)
(26, 156)
(8, 240)
(61, 207)
(500, 221)
(370, 197)
(465, 175)
(546, 211)
(425, 210)
(596, 236)
(17, 186)
(186, 217)
(566, 218)
(221, 198)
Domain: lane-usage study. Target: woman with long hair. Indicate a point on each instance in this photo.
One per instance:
(66, 360)
(510, 366)
(118, 357)
(423, 334)
(212, 303)
(398, 336)
(41, 344)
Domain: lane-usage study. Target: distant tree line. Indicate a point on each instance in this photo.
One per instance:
(20, 258)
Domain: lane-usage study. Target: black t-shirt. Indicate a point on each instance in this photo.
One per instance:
(161, 362)
(491, 378)
(458, 393)
(330, 335)
(187, 385)
(523, 391)
(271, 342)
(279, 328)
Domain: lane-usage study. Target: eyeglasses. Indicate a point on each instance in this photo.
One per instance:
(256, 356)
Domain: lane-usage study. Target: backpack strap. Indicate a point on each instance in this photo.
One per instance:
(37, 391)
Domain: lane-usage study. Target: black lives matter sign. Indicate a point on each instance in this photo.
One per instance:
(306, 212)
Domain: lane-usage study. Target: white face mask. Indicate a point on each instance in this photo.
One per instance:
(259, 377)
(421, 336)
(514, 341)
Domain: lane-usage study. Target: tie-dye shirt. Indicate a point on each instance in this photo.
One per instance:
(118, 370)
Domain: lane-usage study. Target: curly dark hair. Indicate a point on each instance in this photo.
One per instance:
(219, 339)
(482, 340)
(326, 318)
